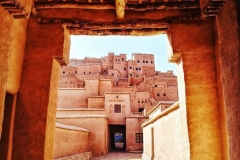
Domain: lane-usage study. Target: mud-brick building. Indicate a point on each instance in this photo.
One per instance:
(117, 91)
(204, 43)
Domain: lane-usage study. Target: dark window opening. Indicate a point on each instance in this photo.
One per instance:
(136, 68)
(130, 67)
(143, 61)
(83, 72)
(117, 108)
(63, 72)
(130, 74)
(122, 59)
(139, 138)
(140, 109)
(124, 68)
(75, 71)
(142, 101)
(164, 94)
(151, 61)
(138, 61)
(146, 61)
(158, 94)
(139, 69)
(155, 85)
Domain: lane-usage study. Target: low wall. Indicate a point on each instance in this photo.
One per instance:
(96, 124)
(165, 135)
(70, 140)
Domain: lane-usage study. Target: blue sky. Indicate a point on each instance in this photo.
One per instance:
(97, 46)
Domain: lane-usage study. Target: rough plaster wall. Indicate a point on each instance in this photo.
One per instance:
(96, 102)
(72, 98)
(170, 140)
(8, 44)
(33, 117)
(68, 142)
(228, 54)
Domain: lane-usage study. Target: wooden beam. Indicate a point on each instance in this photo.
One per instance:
(141, 24)
(129, 32)
(143, 7)
(120, 8)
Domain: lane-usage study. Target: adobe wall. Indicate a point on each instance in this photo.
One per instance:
(166, 137)
(227, 51)
(12, 43)
(199, 71)
(91, 86)
(98, 127)
(37, 98)
(133, 126)
(105, 85)
(69, 140)
(72, 98)
(96, 102)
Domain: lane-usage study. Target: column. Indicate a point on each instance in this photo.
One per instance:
(192, 42)
(37, 97)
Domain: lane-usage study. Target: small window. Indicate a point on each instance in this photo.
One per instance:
(158, 94)
(124, 68)
(139, 138)
(142, 101)
(75, 71)
(164, 94)
(115, 59)
(118, 59)
(89, 72)
(139, 69)
(138, 61)
(136, 68)
(112, 74)
(146, 61)
(104, 70)
(110, 60)
(151, 61)
(143, 61)
(83, 72)
(130, 74)
(122, 59)
(140, 109)
(117, 108)
(63, 72)
(138, 101)
(155, 85)
(130, 67)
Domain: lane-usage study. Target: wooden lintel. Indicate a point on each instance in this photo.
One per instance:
(143, 7)
(120, 8)
(130, 32)
(120, 25)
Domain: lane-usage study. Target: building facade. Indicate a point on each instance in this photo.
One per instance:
(121, 91)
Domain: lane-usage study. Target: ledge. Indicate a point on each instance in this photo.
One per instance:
(62, 116)
(80, 109)
(164, 113)
(59, 125)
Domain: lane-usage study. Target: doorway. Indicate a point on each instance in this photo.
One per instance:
(117, 137)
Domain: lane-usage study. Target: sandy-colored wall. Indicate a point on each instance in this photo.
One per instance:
(91, 86)
(12, 43)
(228, 68)
(72, 98)
(166, 138)
(122, 99)
(70, 140)
(133, 126)
(96, 102)
(37, 98)
(97, 125)
(104, 86)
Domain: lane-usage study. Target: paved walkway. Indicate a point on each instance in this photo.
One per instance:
(119, 156)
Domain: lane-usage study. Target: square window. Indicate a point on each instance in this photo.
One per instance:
(130, 67)
(139, 138)
(117, 108)
(124, 68)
